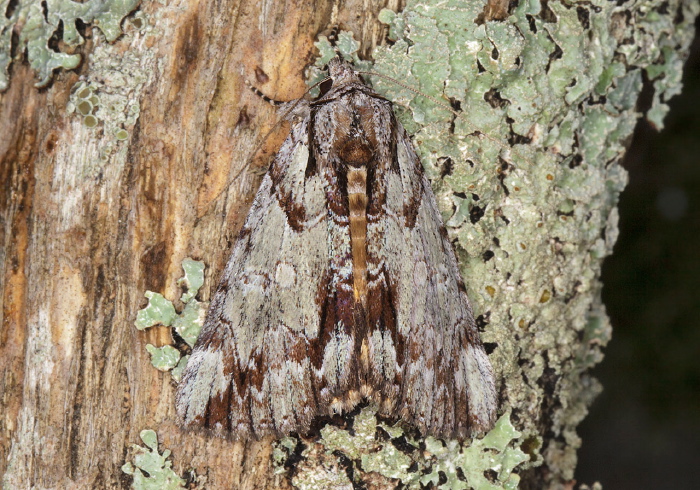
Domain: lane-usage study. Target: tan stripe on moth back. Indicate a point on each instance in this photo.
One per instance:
(357, 199)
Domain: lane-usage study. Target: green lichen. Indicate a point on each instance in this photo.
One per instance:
(477, 458)
(177, 371)
(281, 451)
(528, 175)
(159, 311)
(187, 323)
(192, 280)
(106, 99)
(150, 469)
(356, 443)
(388, 461)
(90, 121)
(164, 358)
(38, 21)
(108, 96)
(387, 455)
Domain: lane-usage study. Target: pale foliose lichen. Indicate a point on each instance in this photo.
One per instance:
(105, 101)
(192, 280)
(150, 469)
(374, 452)
(528, 174)
(187, 324)
(159, 311)
(107, 97)
(39, 22)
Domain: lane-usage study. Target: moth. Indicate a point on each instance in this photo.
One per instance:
(343, 286)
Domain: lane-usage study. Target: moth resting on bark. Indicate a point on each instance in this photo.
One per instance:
(343, 286)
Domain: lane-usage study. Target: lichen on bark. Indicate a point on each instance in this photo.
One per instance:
(42, 24)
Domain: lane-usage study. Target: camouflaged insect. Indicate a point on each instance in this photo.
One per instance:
(342, 286)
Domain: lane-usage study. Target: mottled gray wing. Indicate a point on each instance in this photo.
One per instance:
(250, 372)
(445, 385)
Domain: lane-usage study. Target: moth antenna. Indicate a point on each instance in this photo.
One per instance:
(415, 91)
(259, 93)
(447, 107)
(274, 103)
(333, 39)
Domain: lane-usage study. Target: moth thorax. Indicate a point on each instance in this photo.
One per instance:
(355, 152)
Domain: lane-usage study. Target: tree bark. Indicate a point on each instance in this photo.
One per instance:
(93, 217)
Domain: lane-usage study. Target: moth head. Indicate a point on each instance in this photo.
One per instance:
(341, 72)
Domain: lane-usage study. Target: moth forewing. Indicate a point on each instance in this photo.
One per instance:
(343, 285)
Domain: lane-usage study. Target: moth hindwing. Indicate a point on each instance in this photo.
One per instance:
(342, 286)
